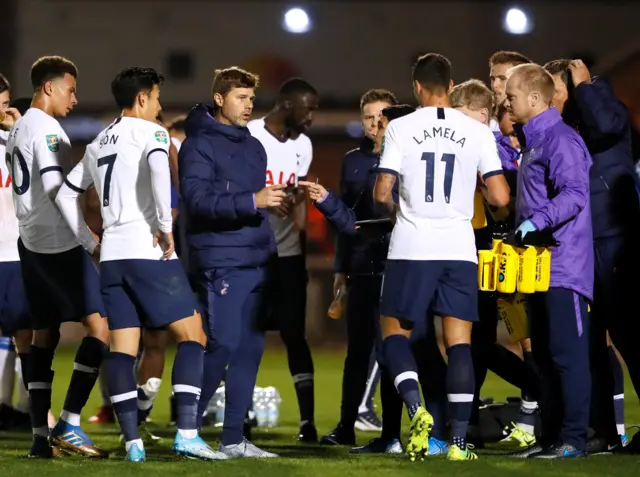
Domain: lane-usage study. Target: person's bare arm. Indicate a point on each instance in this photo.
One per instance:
(173, 166)
(300, 211)
(496, 190)
(383, 193)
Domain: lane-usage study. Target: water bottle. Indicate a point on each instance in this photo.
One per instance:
(273, 406)
(260, 408)
(219, 399)
(212, 410)
(269, 402)
(337, 307)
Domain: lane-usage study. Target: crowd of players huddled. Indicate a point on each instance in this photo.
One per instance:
(98, 242)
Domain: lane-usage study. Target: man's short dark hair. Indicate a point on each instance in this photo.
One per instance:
(4, 84)
(559, 67)
(130, 82)
(433, 72)
(508, 58)
(49, 68)
(177, 124)
(226, 79)
(378, 95)
(397, 111)
(21, 104)
(571, 112)
(296, 86)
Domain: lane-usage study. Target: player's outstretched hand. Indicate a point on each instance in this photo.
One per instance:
(317, 192)
(271, 196)
(165, 240)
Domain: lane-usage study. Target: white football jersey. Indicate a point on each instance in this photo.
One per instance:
(39, 156)
(176, 142)
(286, 162)
(116, 162)
(437, 154)
(8, 219)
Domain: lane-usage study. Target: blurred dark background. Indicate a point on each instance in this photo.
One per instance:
(342, 48)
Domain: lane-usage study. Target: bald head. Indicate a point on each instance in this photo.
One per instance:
(533, 78)
(529, 92)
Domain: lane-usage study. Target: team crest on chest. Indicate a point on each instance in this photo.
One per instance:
(528, 156)
(52, 142)
(161, 136)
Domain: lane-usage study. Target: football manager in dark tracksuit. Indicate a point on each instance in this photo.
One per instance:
(590, 106)
(222, 176)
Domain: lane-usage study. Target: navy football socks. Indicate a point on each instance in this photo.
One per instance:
(460, 390)
(402, 368)
(187, 381)
(124, 395)
(40, 380)
(86, 368)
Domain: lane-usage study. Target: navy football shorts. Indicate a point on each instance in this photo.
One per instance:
(60, 286)
(411, 288)
(145, 293)
(14, 311)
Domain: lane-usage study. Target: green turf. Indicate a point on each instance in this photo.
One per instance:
(297, 460)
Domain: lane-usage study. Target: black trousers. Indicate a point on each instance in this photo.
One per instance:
(363, 328)
(615, 289)
(559, 325)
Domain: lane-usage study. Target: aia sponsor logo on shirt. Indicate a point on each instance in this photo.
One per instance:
(5, 183)
(279, 178)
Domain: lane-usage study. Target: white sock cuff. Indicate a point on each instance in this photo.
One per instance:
(85, 369)
(124, 397)
(70, 418)
(301, 377)
(460, 397)
(185, 388)
(405, 376)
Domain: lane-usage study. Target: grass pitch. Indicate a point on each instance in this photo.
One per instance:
(297, 460)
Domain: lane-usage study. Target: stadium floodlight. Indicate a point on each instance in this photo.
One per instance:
(516, 22)
(296, 20)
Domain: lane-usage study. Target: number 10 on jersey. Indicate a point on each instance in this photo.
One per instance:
(430, 159)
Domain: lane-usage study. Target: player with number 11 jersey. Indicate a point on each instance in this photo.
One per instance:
(437, 154)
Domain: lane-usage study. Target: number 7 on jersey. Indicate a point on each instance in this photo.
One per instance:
(108, 161)
(430, 159)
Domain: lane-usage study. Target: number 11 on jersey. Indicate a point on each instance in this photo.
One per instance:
(430, 159)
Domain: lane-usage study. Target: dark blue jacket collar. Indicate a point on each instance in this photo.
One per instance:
(201, 120)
